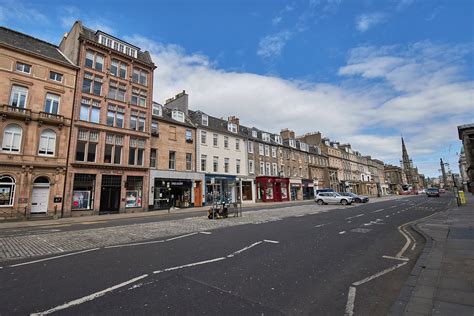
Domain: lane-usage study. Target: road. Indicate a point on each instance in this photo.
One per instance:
(310, 260)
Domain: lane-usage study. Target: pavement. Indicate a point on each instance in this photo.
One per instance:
(122, 216)
(442, 281)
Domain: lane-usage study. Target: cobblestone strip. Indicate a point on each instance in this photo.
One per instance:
(19, 247)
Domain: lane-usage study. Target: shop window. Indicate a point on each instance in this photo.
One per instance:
(7, 190)
(83, 192)
(284, 191)
(133, 195)
(269, 191)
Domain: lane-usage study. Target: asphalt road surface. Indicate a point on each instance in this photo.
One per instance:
(347, 260)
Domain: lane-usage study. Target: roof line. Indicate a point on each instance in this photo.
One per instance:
(32, 37)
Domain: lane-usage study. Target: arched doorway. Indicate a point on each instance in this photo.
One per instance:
(40, 196)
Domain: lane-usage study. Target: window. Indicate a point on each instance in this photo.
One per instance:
(139, 76)
(156, 109)
(152, 158)
(133, 193)
(237, 166)
(262, 168)
(205, 120)
(117, 91)
(86, 145)
(231, 127)
(18, 96)
(189, 161)
(250, 146)
(139, 97)
(137, 121)
(118, 69)
(215, 140)
(268, 170)
(266, 137)
(289, 172)
(177, 115)
(274, 169)
(203, 162)
(274, 152)
(92, 84)
(203, 137)
(25, 68)
(215, 164)
(7, 189)
(94, 60)
(251, 167)
(278, 139)
(292, 143)
(136, 152)
(267, 150)
(254, 134)
(226, 142)
(237, 144)
(47, 143)
(55, 76)
(189, 136)
(115, 115)
(113, 149)
(172, 160)
(282, 170)
(51, 104)
(260, 149)
(90, 110)
(154, 128)
(12, 138)
(172, 133)
(226, 165)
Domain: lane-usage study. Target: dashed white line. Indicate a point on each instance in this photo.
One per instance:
(376, 275)
(343, 232)
(244, 249)
(52, 258)
(350, 301)
(355, 216)
(382, 209)
(182, 236)
(271, 241)
(395, 258)
(189, 265)
(89, 297)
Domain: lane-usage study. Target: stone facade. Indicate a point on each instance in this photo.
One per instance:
(466, 135)
(108, 169)
(36, 96)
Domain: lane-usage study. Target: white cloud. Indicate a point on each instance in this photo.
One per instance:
(17, 11)
(371, 116)
(366, 21)
(272, 45)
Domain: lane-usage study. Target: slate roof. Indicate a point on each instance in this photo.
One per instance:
(166, 116)
(93, 36)
(32, 45)
(214, 123)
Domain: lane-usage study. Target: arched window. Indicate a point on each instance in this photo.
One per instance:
(12, 138)
(7, 190)
(41, 180)
(47, 143)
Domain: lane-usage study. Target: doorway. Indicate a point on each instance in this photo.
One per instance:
(110, 194)
(40, 196)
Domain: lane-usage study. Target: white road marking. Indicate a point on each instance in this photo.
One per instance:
(395, 258)
(393, 206)
(387, 215)
(343, 232)
(378, 274)
(355, 216)
(378, 221)
(136, 244)
(182, 236)
(244, 249)
(205, 233)
(189, 265)
(407, 243)
(52, 258)
(361, 230)
(321, 225)
(89, 297)
(350, 301)
(271, 241)
(378, 210)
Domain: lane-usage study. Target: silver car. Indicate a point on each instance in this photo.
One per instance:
(332, 198)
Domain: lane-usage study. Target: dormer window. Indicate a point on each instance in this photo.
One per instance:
(254, 134)
(205, 120)
(304, 147)
(177, 115)
(278, 139)
(156, 110)
(117, 45)
(266, 137)
(231, 127)
(292, 143)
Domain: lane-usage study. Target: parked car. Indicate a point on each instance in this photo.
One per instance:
(332, 198)
(324, 190)
(356, 198)
(442, 191)
(432, 192)
(422, 191)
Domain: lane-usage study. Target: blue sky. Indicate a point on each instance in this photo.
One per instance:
(361, 72)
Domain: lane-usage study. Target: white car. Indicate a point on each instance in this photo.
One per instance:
(332, 198)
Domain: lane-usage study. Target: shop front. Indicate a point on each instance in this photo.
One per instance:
(296, 189)
(245, 190)
(220, 188)
(308, 189)
(272, 189)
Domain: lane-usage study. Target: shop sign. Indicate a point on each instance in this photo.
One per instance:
(295, 185)
(177, 183)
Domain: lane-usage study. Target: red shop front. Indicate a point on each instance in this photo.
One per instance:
(272, 189)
